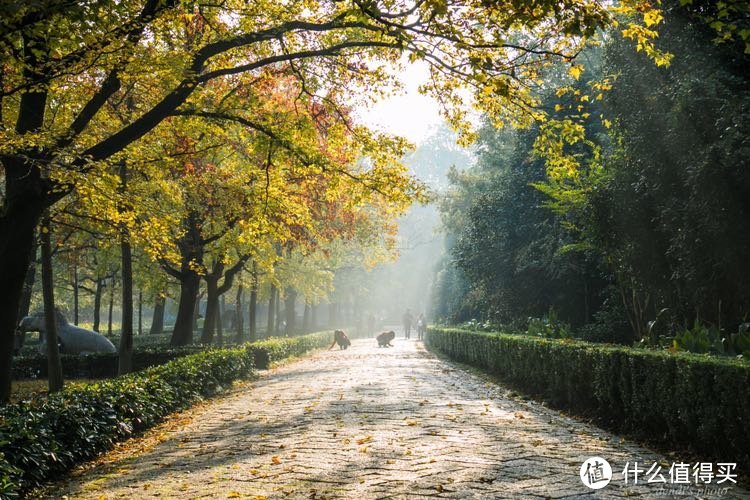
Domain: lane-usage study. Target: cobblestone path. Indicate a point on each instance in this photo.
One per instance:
(369, 423)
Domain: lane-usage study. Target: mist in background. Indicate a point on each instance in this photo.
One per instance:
(393, 287)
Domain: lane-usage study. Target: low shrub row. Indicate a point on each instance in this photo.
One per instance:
(274, 349)
(679, 400)
(31, 345)
(46, 436)
(105, 365)
(102, 365)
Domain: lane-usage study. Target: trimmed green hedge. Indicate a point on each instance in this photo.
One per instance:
(680, 400)
(275, 349)
(46, 436)
(105, 365)
(97, 365)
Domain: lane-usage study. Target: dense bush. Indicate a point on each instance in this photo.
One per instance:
(31, 344)
(273, 349)
(105, 365)
(681, 400)
(102, 365)
(45, 436)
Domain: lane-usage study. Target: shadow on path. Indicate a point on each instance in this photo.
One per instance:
(369, 423)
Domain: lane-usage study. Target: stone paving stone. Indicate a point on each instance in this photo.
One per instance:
(371, 423)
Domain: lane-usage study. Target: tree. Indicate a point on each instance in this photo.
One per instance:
(64, 64)
(50, 312)
(507, 247)
(677, 186)
(657, 190)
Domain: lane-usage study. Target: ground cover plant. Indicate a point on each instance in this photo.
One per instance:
(47, 435)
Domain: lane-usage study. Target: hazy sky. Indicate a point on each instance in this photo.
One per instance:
(410, 114)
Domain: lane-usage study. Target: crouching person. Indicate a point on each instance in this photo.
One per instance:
(340, 338)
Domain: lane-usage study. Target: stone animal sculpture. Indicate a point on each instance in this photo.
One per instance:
(72, 339)
(384, 339)
(340, 338)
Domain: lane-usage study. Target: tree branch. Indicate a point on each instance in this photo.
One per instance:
(230, 273)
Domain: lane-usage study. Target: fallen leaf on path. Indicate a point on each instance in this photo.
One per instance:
(276, 460)
(233, 494)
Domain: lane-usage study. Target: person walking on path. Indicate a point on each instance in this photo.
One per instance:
(408, 319)
(421, 326)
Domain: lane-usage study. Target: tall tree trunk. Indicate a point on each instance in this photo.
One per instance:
(17, 230)
(75, 294)
(140, 312)
(314, 317)
(28, 289)
(277, 313)
(219, 324)
(111, 305)
(306, 316)
(215, 293)
(197, 310)
(26, 196)
(28, 284)
(290, 301)
(271, 312)
(212, 307)
(183, 325)
(54, 367)
(191, 255)
(253, 309)
(125, 364)
(157, 322)
(98, 303)
(239, 316)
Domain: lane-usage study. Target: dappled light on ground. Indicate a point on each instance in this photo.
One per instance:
(365, 423)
